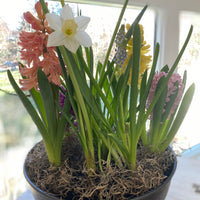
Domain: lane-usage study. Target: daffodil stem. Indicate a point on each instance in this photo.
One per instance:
(90, 157)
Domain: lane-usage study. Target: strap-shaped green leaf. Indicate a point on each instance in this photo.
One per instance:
(143, 85)
(134, 94)
(183, 109)
(126, 102)
(171, 71)
(113, 39)
(39, 103)
(86, 92)
(164, 128)
(145, 117)
(185, 104)
(157, 113)
(48, 101)
(70, 62)
(29, 107)
(122, 84)
(136, 21)
(169, 105)
(68, 82)
(142, 105)
(135, 77)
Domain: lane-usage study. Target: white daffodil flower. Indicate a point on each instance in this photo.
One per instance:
(68, 30)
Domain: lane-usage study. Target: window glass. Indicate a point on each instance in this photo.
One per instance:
(189, 131)
(17, 132)
(103, 21)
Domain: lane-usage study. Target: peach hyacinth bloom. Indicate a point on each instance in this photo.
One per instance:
(36, 53)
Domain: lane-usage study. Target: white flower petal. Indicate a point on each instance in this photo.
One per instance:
(84, 39)
(82, 22)
(53, 21)
(56, 39)
(71, 44)
(66, 13)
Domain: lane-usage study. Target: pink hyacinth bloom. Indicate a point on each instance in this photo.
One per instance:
(36, 54)
(174, 82)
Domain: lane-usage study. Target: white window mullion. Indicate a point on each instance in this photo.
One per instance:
(167, 35)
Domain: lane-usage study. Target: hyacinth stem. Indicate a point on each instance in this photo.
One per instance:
(44, 6)
(113, 38)
(53, 152)
(134, 95)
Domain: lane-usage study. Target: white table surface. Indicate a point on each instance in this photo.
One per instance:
(185, 184)
(26, 196)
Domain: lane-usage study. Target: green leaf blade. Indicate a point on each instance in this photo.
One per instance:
(29, 107)
(48, 101)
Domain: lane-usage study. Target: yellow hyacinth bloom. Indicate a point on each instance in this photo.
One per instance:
(145, 60)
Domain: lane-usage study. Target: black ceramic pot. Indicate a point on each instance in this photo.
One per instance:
(37, 192)
(157, 194)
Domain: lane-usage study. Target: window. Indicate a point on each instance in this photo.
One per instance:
(191, 63)
(161, 24)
